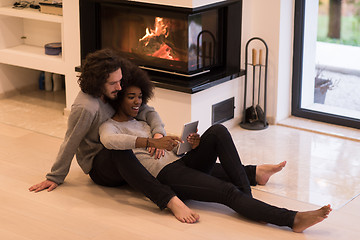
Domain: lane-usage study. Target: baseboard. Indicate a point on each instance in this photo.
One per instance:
(322, 128)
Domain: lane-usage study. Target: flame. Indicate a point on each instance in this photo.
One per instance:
(162, 50)
(160, 29)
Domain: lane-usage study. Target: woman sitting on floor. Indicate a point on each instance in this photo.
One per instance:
(190, 175)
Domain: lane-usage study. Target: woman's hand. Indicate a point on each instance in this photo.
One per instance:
(50, 185)
(156, 151)
(194, 140)
(167, 142)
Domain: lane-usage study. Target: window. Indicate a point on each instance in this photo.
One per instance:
(326, 69)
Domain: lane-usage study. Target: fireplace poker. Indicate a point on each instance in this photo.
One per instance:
(254, 72)
(259, 111)
(250, 112)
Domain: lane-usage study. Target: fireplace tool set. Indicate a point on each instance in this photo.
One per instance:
(254, 117)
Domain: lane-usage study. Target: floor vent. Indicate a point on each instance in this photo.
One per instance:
(223, 111)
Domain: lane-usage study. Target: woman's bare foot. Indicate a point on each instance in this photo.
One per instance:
(265, 171)
(181, 211)
(304, 220)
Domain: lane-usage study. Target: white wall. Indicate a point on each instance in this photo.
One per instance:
(14, 79)
(284, 85)
(272, 20)
(72, 49)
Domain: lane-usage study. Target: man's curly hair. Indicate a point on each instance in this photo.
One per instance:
(96, 70)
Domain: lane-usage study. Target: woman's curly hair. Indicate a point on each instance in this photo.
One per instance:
(96, 70)
(138, 78)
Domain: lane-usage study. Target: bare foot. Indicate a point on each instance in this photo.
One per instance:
(304, 220)
(181, 211)
(265, 171)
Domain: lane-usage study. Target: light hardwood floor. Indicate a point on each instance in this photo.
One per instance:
(321, 169)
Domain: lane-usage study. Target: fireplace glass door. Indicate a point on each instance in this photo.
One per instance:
(174, 42)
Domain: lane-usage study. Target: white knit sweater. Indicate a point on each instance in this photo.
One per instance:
(122, 136)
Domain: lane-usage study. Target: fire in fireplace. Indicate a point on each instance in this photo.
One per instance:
(183, 43)
(174, 40)
(154, 42)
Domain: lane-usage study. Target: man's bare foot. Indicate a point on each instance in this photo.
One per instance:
(265, 171)
(304, 220)
(181, 211)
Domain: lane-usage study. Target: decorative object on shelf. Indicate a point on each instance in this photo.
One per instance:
(254, 117)
(25, 4)
(52, 81)
(48, 81)
(57, 82)
(53, 48)
(51, 7)
(42, 80)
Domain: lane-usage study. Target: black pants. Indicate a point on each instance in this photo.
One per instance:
(190, 178)
(114, 168)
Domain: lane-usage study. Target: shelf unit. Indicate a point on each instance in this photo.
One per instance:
(24, 32)
(29, 13)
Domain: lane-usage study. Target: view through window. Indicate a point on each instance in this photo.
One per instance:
(337, 79)
(330, 59)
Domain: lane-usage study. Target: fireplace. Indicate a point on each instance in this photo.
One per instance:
(180, 43)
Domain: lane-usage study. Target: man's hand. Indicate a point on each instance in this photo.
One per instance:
(47, 184)
(158, 152)
(194, 140)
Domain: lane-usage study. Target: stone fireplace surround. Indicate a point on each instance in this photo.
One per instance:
(180, 101)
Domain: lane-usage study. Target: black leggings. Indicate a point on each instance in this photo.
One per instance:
(113, 168)
(190, 178)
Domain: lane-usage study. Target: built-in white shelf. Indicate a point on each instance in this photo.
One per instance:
(19, 52)
(30, 13)
(32, 57)
(23, 36)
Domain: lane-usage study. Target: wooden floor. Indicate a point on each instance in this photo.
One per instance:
(79, 209)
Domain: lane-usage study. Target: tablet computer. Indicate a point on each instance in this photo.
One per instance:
(187, 129)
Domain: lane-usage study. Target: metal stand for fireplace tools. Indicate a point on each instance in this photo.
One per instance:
(254, 117)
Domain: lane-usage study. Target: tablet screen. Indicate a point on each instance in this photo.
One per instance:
(187, 129)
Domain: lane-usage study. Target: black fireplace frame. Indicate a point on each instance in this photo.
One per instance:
(90, 41)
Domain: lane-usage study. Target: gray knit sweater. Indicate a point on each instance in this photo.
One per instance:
(123, 135)
(82, 135)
